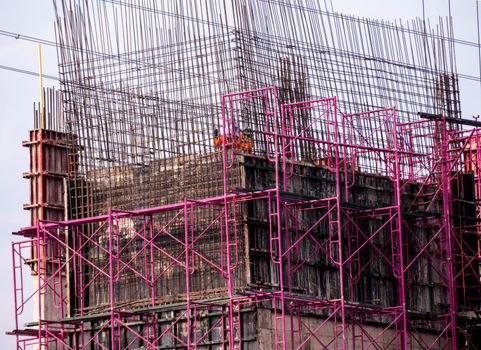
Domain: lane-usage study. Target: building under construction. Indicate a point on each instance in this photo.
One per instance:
(249, 175)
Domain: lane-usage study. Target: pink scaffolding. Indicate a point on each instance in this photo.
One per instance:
(430, 155)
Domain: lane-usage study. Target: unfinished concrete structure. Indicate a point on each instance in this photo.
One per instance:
(348, 223)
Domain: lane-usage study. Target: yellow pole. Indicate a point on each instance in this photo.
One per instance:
(42, 113)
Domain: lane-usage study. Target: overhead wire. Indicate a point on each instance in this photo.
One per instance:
(28, 72)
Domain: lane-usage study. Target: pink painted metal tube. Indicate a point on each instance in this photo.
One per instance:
(447, 203)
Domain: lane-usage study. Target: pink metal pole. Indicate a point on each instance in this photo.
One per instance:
(231, 339)
(187, 274)
(447, 204)
(39, 263)
(277, 214)
(15, 289)
(337, 224)
(151, 261)
(111, 281)
(398, 234)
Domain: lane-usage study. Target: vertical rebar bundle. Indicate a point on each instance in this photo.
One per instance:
(142, 80)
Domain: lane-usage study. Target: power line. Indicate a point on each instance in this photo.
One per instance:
(18, 36)
(24, 71)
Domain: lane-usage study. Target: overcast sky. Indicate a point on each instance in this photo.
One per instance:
(19, 91)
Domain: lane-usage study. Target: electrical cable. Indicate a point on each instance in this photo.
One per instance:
(28, 72)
